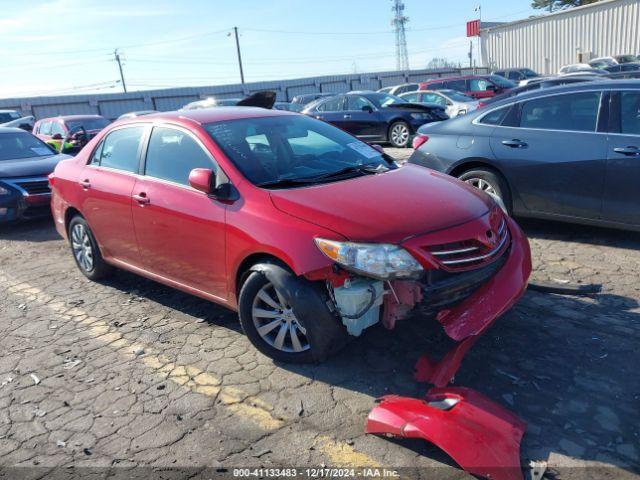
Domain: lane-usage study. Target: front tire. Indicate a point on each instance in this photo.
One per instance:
(85, 250)
(288, 333)
(399, 134)
(490, 182)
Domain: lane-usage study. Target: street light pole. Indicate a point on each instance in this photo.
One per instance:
(235, 30)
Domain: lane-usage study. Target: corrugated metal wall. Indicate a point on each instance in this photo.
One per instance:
(546, 43)
(113, 105)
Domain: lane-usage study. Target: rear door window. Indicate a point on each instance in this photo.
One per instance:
(172, 154)
(574, 112)
(120, 149)
(478, 84)
(630, 113)
(331, 105)
(459, 85)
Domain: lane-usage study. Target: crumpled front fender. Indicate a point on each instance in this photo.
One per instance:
(481, 436)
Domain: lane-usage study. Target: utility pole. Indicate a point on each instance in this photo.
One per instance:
(398, 22)
(117, 55)
(235, 30)
(470, 53)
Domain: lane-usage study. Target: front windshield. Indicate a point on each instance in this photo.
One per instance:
(528, 73)
(627, 58)
(291, 148)
(87, 124)
(14, 146)
(501, 81)
(384, 99)
(457, 96)
(8, 116)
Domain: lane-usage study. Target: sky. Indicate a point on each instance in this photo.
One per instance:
(66, 46)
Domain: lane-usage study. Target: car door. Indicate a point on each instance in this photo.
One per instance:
(621, 192)
(180, 230)
(554, 156)
(362, 118)
(106, 185)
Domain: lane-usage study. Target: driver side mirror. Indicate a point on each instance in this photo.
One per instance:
(56, 136)
(204, 180)
(367, 108)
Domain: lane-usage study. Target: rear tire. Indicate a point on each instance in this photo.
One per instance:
(490, 182)
(399, 134)
(85, 250)
(277, 329)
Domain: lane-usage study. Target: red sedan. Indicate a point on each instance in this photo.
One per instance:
(309, 233)
(476, 86)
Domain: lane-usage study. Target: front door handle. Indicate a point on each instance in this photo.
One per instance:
(346, 115)
(86, 184)
(141, 198)
(515, 143)
(630, 151)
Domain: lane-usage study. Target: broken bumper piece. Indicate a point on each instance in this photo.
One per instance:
(481, 436)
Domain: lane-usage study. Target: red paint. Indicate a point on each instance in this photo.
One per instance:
(200, 179)
(473, 28)
(481, 436)
(405, 294)
(428, 85)
(180, 236)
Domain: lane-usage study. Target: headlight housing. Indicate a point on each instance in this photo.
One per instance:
(4, 191)
(421, 116)
(378, 260)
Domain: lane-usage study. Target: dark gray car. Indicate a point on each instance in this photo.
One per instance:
(567, 153)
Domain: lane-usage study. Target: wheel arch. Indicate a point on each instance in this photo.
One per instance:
(69, 213)
(244, 269)
(471, 163)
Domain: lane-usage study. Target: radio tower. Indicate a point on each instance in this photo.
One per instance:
(398, 23)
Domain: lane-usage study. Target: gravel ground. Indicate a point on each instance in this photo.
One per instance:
(130, 373)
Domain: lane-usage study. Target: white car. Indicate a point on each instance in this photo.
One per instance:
(603, 62)
(580, 68)
(455, 103)
(399, 89)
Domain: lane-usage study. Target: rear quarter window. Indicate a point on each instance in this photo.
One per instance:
(495, 117)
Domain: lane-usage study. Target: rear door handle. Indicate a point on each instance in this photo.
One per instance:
(85, 183)
(141, 198)
(346, 115)
(515, 143)
(630, 151)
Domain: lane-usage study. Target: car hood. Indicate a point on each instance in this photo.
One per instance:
(388, 207)
(29, 167)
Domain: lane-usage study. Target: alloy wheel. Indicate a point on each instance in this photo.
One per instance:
(400, 134)
(276, 323)
(82, 248)
(482, 184)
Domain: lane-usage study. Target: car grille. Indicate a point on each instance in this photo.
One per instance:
(35, 187)
(443, 289)
(466, 254)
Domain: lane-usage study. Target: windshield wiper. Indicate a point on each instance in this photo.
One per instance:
(292, 182)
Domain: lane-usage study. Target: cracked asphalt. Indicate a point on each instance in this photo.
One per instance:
(129, 373)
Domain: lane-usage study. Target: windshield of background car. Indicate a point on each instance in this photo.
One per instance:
(291, 147)
(384, 99)
(87, 124)
(627, 58)
(14, 146)
(8, 116)
(501, 81)
(457, 96)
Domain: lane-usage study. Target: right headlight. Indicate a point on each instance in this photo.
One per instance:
(378, 260)
(4, 191)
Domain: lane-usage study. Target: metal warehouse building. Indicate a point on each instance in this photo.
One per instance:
(547, 42)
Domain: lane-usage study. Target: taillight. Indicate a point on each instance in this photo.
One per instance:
(51, 178)
(480, 105)
(419, 140)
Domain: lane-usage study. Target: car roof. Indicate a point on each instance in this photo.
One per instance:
(573, 87)
(459, 77)
(210, 115)
(11, 130)
(71, 117)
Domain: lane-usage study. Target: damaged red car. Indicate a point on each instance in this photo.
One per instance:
(309, 233)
